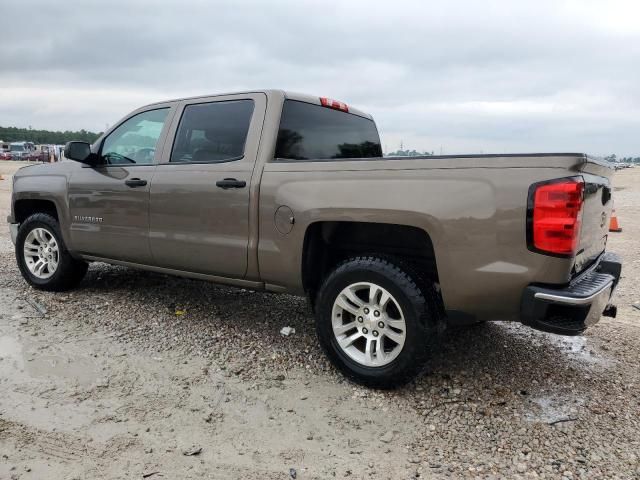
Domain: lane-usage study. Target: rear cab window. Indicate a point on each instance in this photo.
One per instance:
(314, 132)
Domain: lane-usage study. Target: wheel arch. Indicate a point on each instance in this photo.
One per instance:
(26, 204)
(25, 207)
(327, 243)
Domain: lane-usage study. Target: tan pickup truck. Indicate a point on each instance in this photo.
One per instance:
(290, 193)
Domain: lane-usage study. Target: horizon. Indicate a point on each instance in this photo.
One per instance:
(386, 151)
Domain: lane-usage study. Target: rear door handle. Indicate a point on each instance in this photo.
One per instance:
(135, 182)
(231, 183)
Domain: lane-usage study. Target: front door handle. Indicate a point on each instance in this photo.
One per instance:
(231, 183)
(135, 182)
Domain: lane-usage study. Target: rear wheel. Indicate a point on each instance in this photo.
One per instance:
(374, 321)
(42, 256)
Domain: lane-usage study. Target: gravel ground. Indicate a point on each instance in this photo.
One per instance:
(132, 372)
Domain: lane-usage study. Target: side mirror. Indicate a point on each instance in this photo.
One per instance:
(78, 151)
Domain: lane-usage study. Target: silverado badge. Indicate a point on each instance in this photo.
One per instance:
(87, 219)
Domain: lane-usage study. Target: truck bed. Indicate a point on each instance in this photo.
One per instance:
(474, 208)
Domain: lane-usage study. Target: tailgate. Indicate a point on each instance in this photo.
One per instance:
(596, 211)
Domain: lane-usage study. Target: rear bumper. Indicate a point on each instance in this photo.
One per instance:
(570, 310)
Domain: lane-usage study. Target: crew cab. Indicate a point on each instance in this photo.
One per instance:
(290, 193)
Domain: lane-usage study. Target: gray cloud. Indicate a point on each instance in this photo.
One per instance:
(463, 76)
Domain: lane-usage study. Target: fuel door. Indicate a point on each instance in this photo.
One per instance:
(284, 219)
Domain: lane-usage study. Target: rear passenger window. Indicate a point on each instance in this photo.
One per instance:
(212, 132)
(309, 131)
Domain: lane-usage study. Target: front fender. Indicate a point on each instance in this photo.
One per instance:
(50, 188)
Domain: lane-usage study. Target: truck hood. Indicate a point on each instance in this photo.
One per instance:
(58, 168)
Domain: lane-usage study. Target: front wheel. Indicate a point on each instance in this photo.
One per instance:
(374, 320)
(42, 256)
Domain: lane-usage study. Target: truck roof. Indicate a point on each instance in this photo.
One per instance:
(301, 97)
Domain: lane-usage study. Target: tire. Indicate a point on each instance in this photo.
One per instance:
(43, 230)
(383, 355)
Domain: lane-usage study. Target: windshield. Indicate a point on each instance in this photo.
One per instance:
(17, 148)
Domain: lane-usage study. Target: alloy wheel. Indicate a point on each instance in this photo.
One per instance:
(368, 324)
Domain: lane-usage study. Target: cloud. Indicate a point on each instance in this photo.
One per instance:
(468, 76)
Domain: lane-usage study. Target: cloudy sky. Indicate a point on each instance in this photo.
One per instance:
(457, 76)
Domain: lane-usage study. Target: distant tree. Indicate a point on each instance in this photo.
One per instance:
(408, 153)
(615, 159)
(14, 134)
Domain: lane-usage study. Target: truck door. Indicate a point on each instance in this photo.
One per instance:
(109, 203)
(199, 211)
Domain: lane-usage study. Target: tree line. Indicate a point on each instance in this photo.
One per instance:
(45, 137)
(614, 158)
(408, 153)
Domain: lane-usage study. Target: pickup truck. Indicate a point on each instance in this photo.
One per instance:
(290, 193)
(19, 151)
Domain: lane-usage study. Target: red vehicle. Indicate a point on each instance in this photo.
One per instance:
(5, 156)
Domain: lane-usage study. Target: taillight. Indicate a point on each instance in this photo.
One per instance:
(335, 104)
(554, 215)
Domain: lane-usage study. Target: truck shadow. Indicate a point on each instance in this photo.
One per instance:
(494, 357)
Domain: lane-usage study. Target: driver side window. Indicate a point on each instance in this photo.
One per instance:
(135, 141)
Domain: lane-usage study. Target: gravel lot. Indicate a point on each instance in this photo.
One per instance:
(114, 382)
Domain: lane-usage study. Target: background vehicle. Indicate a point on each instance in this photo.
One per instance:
(19, 151)
(290, 193)
(33, 153)
(5, 155)
(41, 153)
